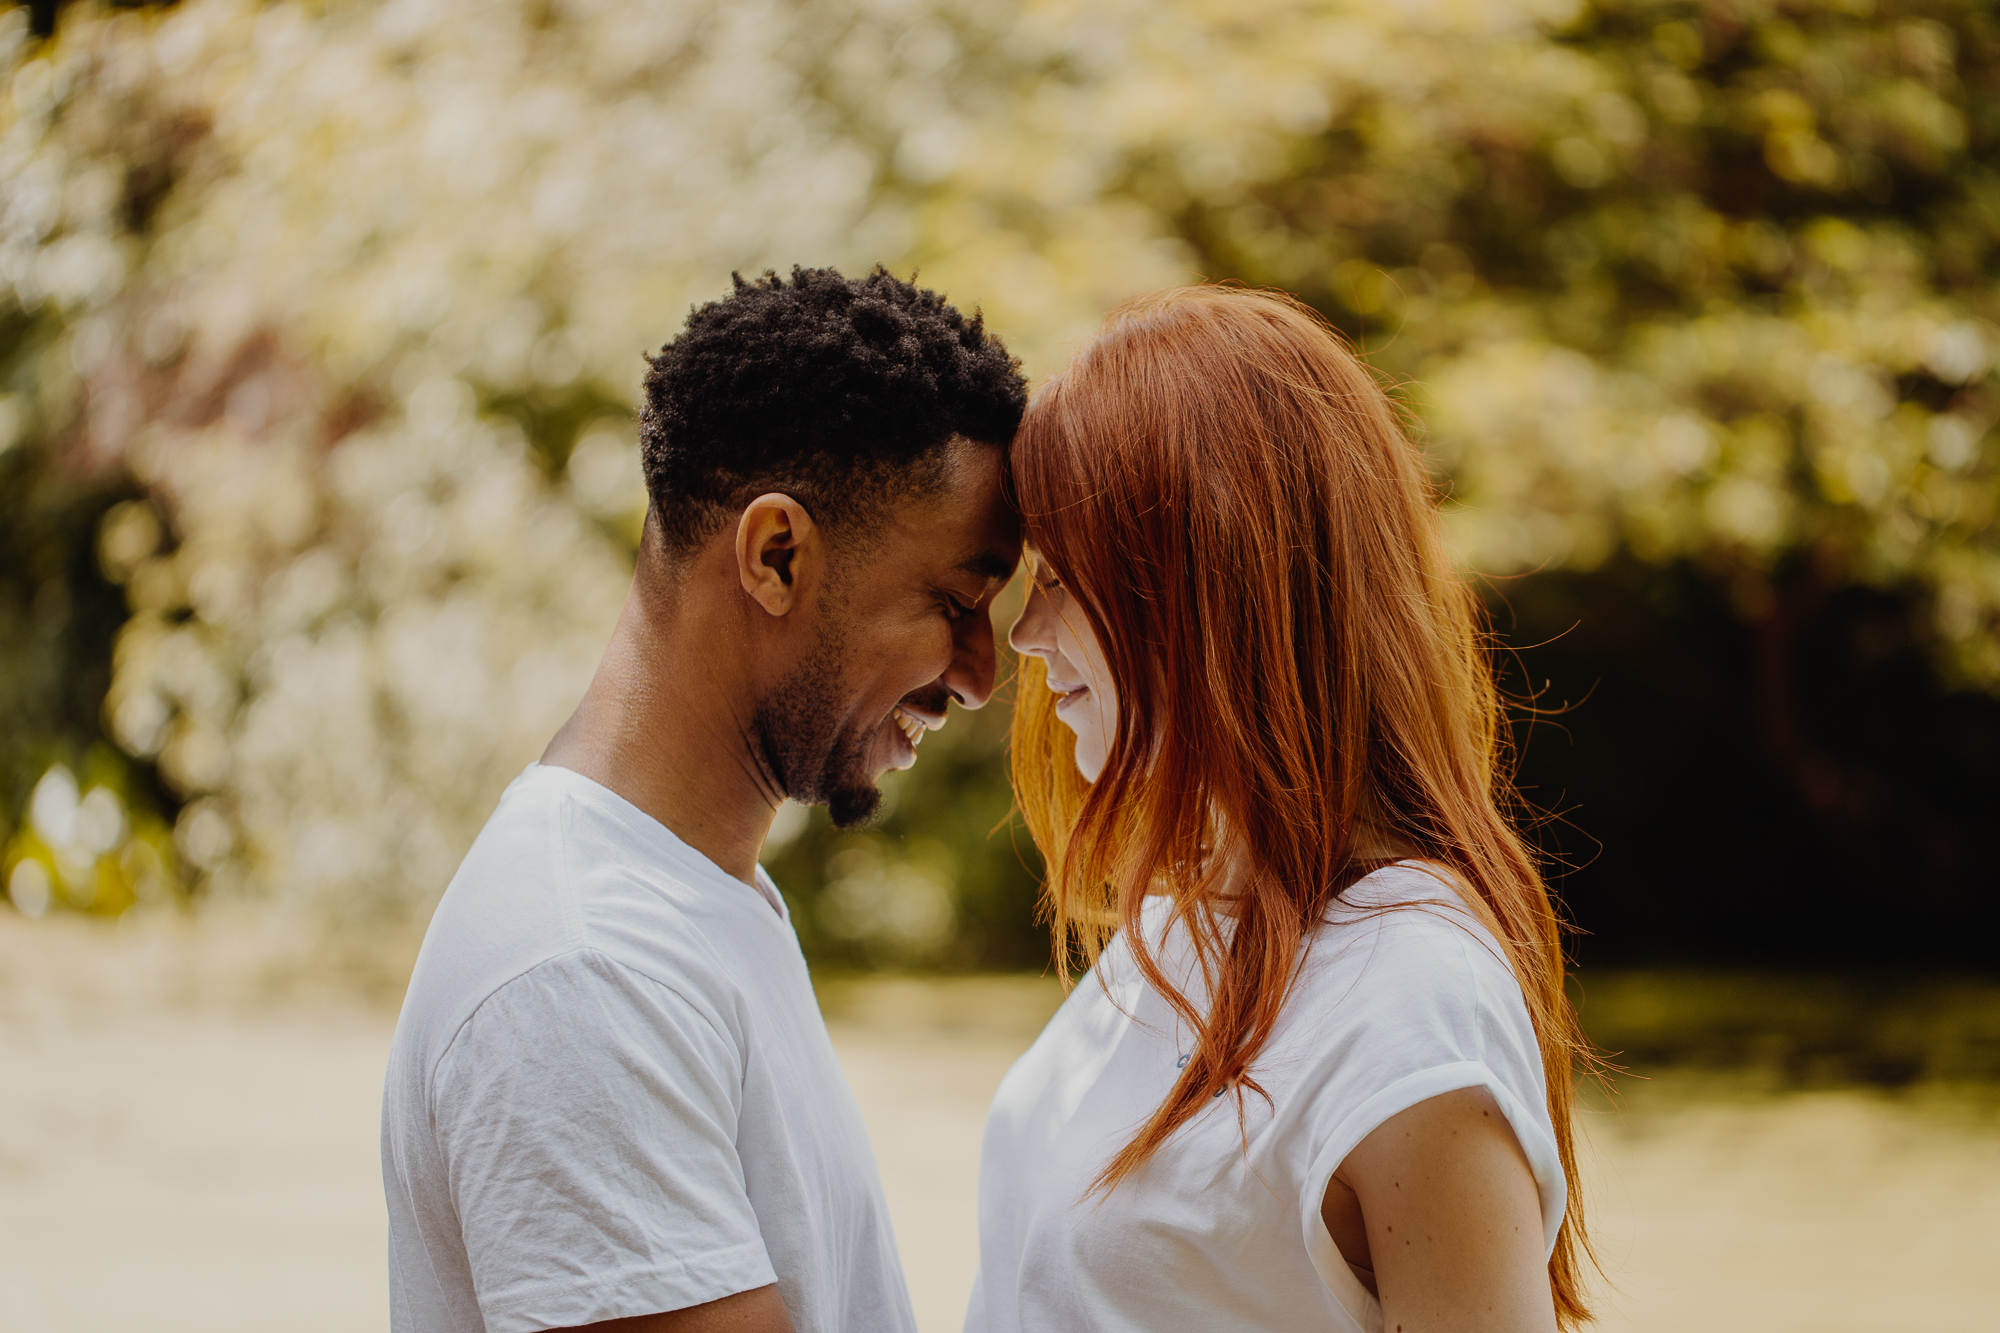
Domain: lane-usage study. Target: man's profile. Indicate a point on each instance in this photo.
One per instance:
(611, 1099)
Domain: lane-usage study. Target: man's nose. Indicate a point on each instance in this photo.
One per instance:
(973, 661)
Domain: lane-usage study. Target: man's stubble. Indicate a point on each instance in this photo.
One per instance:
(797, 731)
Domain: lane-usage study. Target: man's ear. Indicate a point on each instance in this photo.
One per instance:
(776, 544)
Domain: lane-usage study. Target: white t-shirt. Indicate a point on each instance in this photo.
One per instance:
(611, 1092)
(1221, 1229)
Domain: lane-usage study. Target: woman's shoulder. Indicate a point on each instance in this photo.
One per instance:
(1420, 898)
(1406, 935)
(1403, 994)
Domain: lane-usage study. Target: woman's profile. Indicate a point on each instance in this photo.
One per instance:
(1320, 1075)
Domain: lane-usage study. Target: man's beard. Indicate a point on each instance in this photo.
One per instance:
(797, 730)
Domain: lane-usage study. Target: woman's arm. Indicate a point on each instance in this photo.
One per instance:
(1441, 1202)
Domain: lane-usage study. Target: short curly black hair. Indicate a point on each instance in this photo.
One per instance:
(841, 392)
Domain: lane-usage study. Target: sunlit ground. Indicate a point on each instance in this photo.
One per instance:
(177, 1153)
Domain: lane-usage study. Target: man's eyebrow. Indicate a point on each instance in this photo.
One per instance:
(988, 565)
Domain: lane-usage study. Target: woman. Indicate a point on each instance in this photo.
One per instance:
(1320, 1075)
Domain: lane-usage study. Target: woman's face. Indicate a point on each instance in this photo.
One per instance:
(1052, 627)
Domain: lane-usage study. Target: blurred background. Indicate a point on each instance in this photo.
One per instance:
(320, 328)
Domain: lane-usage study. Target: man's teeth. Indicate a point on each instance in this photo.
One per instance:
(913, 730)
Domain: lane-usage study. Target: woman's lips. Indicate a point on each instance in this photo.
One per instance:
(1071, 696)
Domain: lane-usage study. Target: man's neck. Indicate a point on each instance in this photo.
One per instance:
(666, 725)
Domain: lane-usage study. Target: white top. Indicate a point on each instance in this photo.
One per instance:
(611, 1092)
(1221, 1230)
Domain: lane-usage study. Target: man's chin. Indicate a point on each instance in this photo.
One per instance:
(853, 806)
(853, 798)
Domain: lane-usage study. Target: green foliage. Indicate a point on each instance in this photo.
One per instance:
(320, 330)
(60, 611)
(1701, 282)
(1798, 1030)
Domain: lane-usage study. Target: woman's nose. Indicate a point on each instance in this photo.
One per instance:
(1030, 631)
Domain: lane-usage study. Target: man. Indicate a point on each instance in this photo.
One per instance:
(611, 1100)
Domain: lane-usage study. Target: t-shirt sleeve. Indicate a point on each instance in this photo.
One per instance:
(587, 1119)
(1426, 1006)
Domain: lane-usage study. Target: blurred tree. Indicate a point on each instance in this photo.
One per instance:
(394, 452)
(60, 611)
(1699, 282)
(43, 14)
(1866, 840)
(1703, 297)
(1696, 302)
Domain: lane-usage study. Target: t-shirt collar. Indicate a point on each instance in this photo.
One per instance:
(653, 830)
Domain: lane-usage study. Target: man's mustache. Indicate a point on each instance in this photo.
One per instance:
(933, 699)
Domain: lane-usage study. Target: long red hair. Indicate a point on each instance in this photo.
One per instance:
(1234, 504)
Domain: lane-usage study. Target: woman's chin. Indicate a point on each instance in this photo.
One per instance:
(1088, 764)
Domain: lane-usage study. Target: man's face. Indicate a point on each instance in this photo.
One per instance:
(903, 628)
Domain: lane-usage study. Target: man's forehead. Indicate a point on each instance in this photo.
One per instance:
(968, 552)
(967, 525)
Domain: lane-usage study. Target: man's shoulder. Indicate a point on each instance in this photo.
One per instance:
(559, 882)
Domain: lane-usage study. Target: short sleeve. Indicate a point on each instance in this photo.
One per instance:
(587, 1120)
(1426, 1006)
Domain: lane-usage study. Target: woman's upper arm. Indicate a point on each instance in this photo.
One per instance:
(1453, 1219)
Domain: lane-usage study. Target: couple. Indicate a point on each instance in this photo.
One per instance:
(1319, 1074)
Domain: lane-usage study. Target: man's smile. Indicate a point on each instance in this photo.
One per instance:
(913, 722)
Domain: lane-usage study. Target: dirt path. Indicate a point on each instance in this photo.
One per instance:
(196, 1168)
